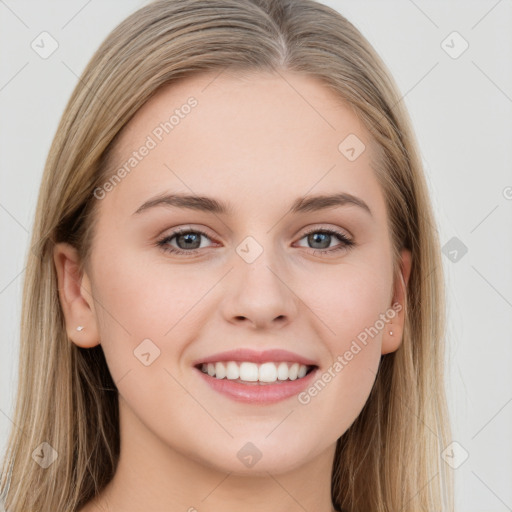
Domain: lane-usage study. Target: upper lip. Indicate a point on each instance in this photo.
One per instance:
(253, 356)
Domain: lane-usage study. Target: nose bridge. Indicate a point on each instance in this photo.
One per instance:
(259, 264)
(258, 289)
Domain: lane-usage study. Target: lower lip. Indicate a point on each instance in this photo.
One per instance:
(255, 393)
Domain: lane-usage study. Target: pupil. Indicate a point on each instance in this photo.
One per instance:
(313, 238)
(189, 237)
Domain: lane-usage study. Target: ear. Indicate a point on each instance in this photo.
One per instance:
(75, 297)
(391, 342)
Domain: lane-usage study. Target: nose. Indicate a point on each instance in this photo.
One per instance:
(260, 293)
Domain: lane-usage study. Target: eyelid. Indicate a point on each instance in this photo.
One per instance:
(346, 241)
(185, 228)
(326, 227)
(174, 232)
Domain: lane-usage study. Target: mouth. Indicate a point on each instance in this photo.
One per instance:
(250, 373)
(254, 377)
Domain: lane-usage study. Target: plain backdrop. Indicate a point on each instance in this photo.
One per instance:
(460, 102)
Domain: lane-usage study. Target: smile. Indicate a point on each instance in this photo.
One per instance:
(249, 372)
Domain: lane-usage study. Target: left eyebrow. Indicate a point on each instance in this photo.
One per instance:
(322, 202)
(209, 204)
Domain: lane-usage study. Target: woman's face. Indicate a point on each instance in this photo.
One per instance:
(269, 271)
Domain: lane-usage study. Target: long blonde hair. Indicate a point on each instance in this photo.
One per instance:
(390, 457)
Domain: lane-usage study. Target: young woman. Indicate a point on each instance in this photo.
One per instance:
(234, 297)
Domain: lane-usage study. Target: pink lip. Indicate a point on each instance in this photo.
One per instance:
(256, 393)
(243, 354)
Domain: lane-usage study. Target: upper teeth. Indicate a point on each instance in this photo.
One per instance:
(252, 372)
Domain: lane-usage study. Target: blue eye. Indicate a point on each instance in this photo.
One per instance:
(190, 241)
(327, 234)
(188, 237)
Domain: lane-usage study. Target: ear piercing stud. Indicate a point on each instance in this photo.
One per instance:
(80, 327)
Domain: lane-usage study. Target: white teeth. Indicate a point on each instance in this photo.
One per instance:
(252, 372)
(220, 370)
(249, 372)
(293, 371)
(268, 372)
(282, 371)
(232, 371)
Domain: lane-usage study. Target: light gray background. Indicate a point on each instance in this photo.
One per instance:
(461, 109)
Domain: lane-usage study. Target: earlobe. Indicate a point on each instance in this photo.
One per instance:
(393, 332)
(75, 297)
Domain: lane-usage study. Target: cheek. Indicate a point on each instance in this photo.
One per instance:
(349, 301)
(144, 309)
(352, 306)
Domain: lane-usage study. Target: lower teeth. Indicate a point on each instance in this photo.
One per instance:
(258, 382)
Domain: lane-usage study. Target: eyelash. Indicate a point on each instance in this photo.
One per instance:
(346, 244)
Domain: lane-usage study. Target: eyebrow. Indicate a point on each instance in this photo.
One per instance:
(209, 204)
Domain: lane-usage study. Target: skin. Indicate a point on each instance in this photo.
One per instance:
(254, 142)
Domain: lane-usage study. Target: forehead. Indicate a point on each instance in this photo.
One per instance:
(256, 134)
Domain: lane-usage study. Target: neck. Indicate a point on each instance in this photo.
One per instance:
(151, 475)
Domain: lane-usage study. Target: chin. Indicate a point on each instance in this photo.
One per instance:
(257, 457)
